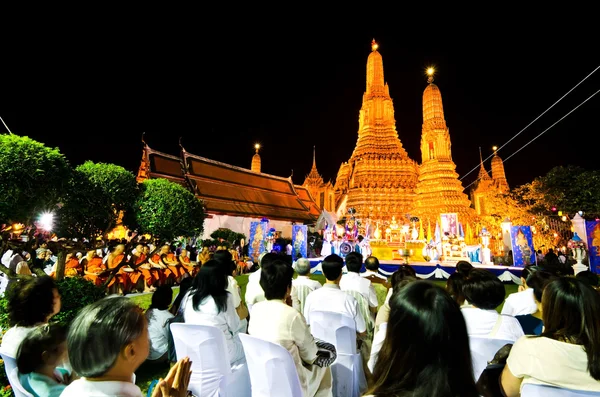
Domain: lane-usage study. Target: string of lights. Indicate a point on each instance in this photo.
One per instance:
(541, 133)
(1, 119)
(534, 120)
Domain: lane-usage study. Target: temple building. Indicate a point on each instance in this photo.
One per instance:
(233, 196)
(487, 186)
(379, 179)
(321, 191)
(438, 189)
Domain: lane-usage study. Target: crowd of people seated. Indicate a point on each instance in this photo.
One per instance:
(419, 342)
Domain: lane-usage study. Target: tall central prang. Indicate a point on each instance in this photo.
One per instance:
(379, 180)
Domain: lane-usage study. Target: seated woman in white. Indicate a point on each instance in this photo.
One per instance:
(107, 342)
(229, 265)
(275, 321)
(158, 317)
(484, 292)
(32, 302)
(209, 303)
(567, 354)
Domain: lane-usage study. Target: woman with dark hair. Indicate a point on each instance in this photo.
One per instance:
(463, 268)
(416, 358)
(209, 303)
(533, 323)
(107, 342)
(567, 354)
(226, 259)
(158, 317)
(521, 302)
(454, 286)
(39, 358)
(31, 302)
(184, 287)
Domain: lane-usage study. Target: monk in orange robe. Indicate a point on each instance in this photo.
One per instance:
(72, 266)
(186, 263)
(93, 267)
(158, 266)
(174, 270)
(142, 271)
(114, 259)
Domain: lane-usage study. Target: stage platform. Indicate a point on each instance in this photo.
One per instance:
(430, 270)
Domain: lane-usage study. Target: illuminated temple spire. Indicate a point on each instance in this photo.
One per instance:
(313, 178)
(439, 189)
(498, 174)
(256, 162)
(483, 174)
(379, 179)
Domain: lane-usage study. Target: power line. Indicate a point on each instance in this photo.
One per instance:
(541, 133)
(1, 119)
(534, 120)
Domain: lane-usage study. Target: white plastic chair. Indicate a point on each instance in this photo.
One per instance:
(484, 350)
(212, 375)
(529, 390)
(347, 370)
(272, 369)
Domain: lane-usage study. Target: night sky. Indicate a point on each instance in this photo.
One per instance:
(94, 89)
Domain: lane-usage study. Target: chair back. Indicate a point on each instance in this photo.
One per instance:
(10, 363)
(335, 328)
(272, 369)
(205, 346)
(302, 292)
(530, 390)
(484, 350)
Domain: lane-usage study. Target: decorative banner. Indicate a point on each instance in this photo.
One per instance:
(258, 234)
(592, 229)
(522, 246)
(449, 224)
(299, 237)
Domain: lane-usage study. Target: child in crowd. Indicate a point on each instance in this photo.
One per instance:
(158, 317)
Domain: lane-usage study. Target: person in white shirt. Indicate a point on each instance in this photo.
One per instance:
(158, 317)
(567, 354)
(484, 292)
(275, 321)
(254, 292)
(226, 259)
(209, 303)
(331, 298)
(107, 342)
(32, 302)
(522, 302)
(372, 269)
(302, 285)
(352, 281)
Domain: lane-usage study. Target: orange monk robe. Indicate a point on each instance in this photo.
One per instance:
(187, 265)
(174, 271)
(72, 267)
(121, 276)
(141, 272)
(95, 266)
(159, 274)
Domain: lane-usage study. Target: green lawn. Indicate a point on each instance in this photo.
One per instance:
(147, 372)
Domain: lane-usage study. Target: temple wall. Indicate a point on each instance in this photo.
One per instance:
(242, 225)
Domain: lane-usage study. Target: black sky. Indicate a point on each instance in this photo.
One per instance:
(91, 88)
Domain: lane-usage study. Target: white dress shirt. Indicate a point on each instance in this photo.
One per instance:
(12, 339)
(520, 303)
(83, 387)
(302, 281)
(378, 340)
(481, 323)
(158, 332)
(368, 273)
(354, 282)
(276, 322)
(331, 298)
(234, 290)
(254, 292)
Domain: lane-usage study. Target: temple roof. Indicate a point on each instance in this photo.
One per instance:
(313, 178)
(229, 190)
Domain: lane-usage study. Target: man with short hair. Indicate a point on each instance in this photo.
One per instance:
(302, 285)
(331, 298)
(352, 281)
(254, 292)
(372, 265)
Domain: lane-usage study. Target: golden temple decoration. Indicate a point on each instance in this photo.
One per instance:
(498, 174)
(439, 189)
(487, 187)
(256, 162)
(322, 192)
(379, 179)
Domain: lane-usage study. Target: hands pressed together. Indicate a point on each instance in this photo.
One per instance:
(176, 382)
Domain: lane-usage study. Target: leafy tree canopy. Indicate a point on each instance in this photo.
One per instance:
(227, 235)
(32, 178)
(167, 210)
(116, 183)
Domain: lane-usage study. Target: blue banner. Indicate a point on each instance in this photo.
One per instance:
(592, 229)
(256, 243)
(299, 241)
(522, 246)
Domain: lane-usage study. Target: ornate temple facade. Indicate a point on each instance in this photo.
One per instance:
(439, 189)
(322, 192)
(379, 179)
(487, 186)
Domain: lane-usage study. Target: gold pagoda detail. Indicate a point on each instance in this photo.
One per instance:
(322, 192)
(487, 186)
(379, 179)
(256, 163)
(498, 174)
(438, 190)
